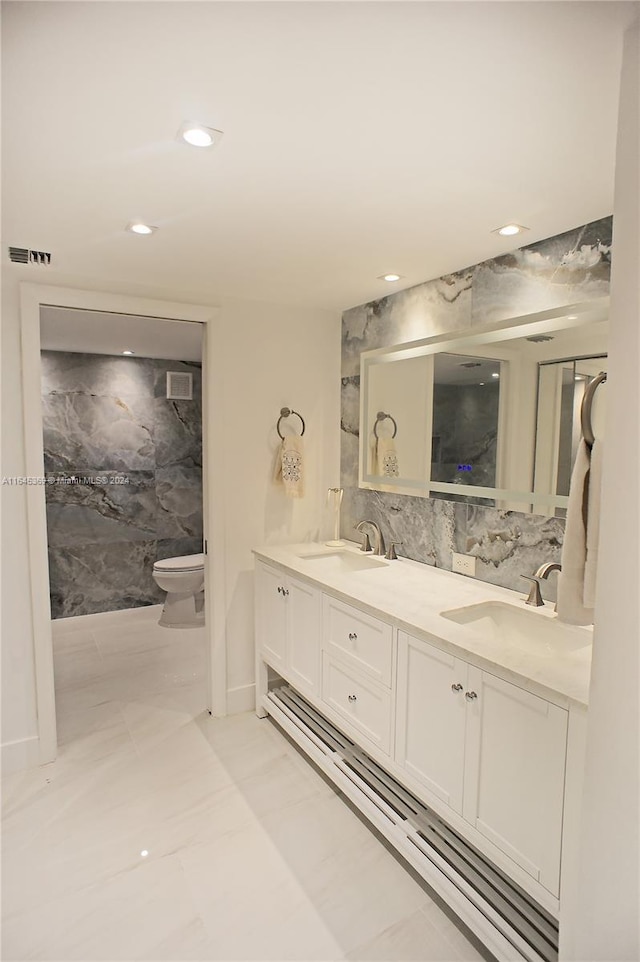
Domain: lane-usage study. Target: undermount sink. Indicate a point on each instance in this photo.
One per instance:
(529, 631)
(342, 561)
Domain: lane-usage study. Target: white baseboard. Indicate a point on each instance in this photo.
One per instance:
(241, 699)
(102, 619)
(20, 755)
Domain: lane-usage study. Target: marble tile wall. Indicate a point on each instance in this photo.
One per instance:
(569, 268)
(136, 458)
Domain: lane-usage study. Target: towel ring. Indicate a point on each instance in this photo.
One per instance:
(585, 407)
(284, 413)
(381, 416)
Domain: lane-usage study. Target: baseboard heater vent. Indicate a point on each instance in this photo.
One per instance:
(501, 914)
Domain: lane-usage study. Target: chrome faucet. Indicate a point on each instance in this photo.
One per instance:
(378, 547)
(535, 598)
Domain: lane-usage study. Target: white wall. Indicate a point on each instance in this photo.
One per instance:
(602, 916)
(268, 356)
(273, 358)
(19, 721)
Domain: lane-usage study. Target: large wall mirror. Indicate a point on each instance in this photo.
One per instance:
(487, 416)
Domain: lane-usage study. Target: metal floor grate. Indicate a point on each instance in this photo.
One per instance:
(517, 916)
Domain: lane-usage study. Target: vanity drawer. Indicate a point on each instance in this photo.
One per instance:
(363, 641)
(359, 700)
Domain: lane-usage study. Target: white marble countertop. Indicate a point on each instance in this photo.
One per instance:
(414, 595)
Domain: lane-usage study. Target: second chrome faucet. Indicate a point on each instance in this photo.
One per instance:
(535, 598)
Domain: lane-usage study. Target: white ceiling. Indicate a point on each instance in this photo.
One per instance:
(359, 138)
(94, 332)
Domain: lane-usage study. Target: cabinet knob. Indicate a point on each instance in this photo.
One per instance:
(457, 687)
(470, 695)
(285, 591)
(353, 697)
(280, 589)
(352, 636)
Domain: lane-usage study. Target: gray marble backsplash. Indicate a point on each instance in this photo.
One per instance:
(137, 460)
(569, 268)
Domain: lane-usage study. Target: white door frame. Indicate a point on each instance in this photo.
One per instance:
(32, 298)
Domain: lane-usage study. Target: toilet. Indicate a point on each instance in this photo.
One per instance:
(183, 580)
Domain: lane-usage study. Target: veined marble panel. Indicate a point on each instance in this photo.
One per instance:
(508, 544)
(350, 431)
(98, 433)
(425, 527)
(89, 578)
(91, 513)
(435, 307)
(97, 375)
(105, 416)
(572, 267)
(178, 432)
(179, 494)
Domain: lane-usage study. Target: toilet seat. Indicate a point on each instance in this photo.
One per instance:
(184, 563)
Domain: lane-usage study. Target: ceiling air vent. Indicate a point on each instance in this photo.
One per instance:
(22, 255)
(179, 386)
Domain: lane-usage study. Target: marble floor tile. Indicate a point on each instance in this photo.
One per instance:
(130, 916)
(414, 939)
(68, 641)
(162, 833)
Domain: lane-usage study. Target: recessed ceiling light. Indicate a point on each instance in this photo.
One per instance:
(196, 135)
(137, 227)
(481, 383)
(495, 374)
(128, 352)
(389, 277)
(509, 229)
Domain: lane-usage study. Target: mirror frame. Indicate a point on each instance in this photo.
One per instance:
(567, 317)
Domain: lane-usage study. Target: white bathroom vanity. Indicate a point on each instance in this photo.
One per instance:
(450, 713)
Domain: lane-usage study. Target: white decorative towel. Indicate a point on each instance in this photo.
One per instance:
(290, 465)
(570, 606)
(386, 458)
(593, 525)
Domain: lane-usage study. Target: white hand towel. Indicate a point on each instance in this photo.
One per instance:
(290, 465)
(570, 606)
(593, 525)
(387, 458)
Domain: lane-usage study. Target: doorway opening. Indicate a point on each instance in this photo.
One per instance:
(122, 451)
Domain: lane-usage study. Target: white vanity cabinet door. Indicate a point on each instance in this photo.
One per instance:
(304, 621)
(271, 614)
(288, 627)
(516, 748)
(430, 713)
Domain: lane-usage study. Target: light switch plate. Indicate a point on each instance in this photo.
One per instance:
(464, 564)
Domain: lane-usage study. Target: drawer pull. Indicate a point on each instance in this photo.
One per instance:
(353, 697)
(470, 695)
(457, 687)
(352, 636)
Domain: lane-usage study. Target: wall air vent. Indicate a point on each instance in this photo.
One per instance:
(22, 255)
(179, 386)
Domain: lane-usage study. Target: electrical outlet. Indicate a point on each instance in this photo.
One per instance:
(464, 564)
